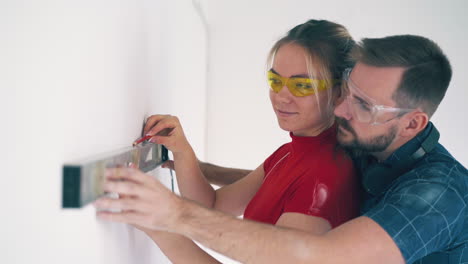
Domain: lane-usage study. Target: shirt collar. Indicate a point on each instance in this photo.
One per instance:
(409, 147)
(392, 167)
(305, 144)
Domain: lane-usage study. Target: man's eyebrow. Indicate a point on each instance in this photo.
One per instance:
(294, 76)
(362, 101)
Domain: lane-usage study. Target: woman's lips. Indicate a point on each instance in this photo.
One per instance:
(285, 113)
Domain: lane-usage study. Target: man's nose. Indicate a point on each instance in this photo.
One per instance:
(342, 110)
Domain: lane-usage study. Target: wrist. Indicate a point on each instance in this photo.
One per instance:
(183, 220)
(187, 152)
(176, 219)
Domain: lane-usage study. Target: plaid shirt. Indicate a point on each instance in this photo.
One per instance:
(425, 209)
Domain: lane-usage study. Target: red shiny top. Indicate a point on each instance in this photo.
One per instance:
(311, 176)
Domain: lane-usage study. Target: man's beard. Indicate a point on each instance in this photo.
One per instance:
(358, 147)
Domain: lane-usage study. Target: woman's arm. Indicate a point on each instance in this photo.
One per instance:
(167, 130)
(192, 183)
(233, 198)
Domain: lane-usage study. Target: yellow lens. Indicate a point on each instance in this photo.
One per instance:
(297, 86)
(275, 81)
(300, 86)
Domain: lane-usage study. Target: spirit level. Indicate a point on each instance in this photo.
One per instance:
(82, 180)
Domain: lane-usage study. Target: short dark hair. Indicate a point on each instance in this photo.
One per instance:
(428, 71)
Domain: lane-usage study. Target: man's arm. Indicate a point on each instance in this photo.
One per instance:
(222, 175)
(215, 174)
(358, 241)
(361, 240)
(179, 249)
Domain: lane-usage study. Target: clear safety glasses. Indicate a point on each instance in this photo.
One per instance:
(364, 108)
(297, 86)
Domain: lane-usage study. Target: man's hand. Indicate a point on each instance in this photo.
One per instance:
(169, 164)
(167, 130)
(143, 201)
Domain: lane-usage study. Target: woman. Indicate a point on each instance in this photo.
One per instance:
(308, 184)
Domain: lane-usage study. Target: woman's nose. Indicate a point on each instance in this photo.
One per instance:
(284, 94)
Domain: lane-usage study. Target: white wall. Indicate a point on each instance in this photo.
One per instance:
(242, 128)
(77, 78)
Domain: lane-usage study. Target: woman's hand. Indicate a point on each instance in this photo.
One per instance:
(167, 130)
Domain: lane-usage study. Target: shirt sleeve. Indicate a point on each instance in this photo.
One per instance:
(422, 217)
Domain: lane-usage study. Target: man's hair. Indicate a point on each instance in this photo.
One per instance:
(427, 70)
(327, 45)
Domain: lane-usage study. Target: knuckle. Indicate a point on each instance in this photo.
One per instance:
(131, 187)
(104, 203)
(125, 204)
(131, 172)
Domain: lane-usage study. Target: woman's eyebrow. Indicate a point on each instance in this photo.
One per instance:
(300, 76)
(294, 76)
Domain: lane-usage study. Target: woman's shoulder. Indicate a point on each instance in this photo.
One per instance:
(280, 153)
(330, 160)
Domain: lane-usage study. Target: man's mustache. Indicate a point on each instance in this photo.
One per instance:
(344, 124)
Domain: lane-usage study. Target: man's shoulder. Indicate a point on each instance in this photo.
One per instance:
(440, 156)
(438, 166)
(437, 178)
(425, 209)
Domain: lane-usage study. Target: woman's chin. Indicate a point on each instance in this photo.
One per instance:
(286, 127)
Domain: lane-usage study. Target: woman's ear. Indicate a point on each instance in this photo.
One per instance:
(414, 123)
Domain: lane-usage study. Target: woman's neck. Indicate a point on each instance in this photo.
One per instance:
(314, 131)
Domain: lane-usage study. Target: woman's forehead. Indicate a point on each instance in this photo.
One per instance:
(291, 61)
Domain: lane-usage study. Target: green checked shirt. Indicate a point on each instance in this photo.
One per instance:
(425, 209)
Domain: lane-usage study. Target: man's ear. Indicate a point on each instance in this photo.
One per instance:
(413, 123)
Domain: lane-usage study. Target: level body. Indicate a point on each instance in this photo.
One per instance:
(83, 180)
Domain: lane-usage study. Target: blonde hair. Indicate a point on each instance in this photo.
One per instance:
(327, 46)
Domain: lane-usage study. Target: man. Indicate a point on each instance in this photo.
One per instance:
(416, 193)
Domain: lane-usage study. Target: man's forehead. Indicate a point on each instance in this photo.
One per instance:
(378, 83)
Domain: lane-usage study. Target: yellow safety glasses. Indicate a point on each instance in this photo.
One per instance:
(297, 86)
